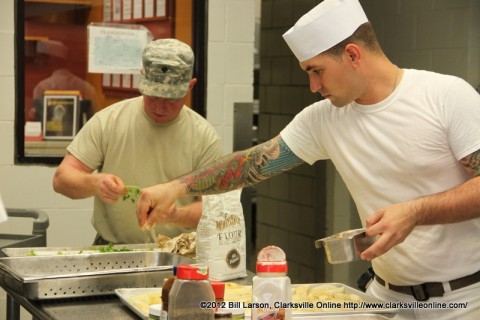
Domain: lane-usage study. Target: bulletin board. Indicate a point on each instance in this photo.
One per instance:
(154, 16)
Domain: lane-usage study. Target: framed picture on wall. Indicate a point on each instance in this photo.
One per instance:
(60, 112)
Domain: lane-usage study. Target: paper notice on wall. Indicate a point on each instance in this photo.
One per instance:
(106, 81)
(117, 10)
(148, 9)
(161, 8)
(116, 78)
(127, 10)
(116, 49)
(135, 81)
(107, 10)
(137, 9)
(127, 81)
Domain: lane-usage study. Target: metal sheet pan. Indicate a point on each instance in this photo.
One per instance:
(67, 276)
(55, 251)
(126, 294)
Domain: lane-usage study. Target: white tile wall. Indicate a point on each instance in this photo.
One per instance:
(215, 103)
(240, 21)
(230, 62)
(6, 144)
(216, 25)
(7, 98)
(6, 54)
(7, 21)
(239, 64)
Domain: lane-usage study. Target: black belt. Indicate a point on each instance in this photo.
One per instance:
(422, 292)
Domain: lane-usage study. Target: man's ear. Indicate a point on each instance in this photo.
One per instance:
(192, 83)
(353, 53)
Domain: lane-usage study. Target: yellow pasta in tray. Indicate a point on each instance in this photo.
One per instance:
(143, 301)
(237, 293)
(320, 297)
(323, 297)
(301, 290)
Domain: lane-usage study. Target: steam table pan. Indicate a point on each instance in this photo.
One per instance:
(345, 246)
(68, 276)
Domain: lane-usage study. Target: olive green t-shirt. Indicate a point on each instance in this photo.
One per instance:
(123, 140)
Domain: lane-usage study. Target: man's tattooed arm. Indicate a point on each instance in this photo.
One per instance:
(242, 168)
(472, 163)
(455, 205)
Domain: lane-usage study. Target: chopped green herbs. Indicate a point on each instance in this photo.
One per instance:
(132, 193)
(110, 248)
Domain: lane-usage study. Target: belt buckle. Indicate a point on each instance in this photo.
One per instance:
(420, 292)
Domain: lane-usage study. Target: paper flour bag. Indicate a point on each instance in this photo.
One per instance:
(221, 240)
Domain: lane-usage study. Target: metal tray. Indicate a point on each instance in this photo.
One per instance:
(386, 312)
(67, 276)
(55, 251)
(125, 295)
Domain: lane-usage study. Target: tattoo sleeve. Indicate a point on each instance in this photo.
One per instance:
(242, 169)
(472, 163)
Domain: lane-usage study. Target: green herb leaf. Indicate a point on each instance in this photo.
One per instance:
(132, 193)
(110, 248)
(31, 254)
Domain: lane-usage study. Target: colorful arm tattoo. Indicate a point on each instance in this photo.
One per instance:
(472, 163)
(242, 168)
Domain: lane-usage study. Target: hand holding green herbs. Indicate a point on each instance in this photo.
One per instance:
(132, 193)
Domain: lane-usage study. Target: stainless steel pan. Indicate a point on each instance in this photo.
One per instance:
(345, 246)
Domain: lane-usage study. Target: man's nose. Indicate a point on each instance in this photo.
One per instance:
(315, 84)
(160, 103)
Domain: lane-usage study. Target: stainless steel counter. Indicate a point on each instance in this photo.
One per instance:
(102, 307)
(91, 308)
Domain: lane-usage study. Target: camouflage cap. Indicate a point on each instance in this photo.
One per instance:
(167, 69)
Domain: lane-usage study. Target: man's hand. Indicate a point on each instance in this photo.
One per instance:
(392, 224)
(109, 187)
(157, 204)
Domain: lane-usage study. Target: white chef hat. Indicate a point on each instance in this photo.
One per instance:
(326, 25)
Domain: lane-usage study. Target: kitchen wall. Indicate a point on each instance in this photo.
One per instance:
(308, 203)
(230, 78)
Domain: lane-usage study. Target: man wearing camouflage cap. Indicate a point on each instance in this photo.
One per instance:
(141, 141)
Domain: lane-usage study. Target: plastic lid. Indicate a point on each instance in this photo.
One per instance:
(218, 289)
(155, 309)
(272, 259)
(188, 272)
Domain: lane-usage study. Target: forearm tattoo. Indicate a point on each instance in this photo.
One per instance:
(472, 163)
(242, 169)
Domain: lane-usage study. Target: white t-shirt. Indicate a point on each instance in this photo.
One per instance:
(123, 140)
(401, 148)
